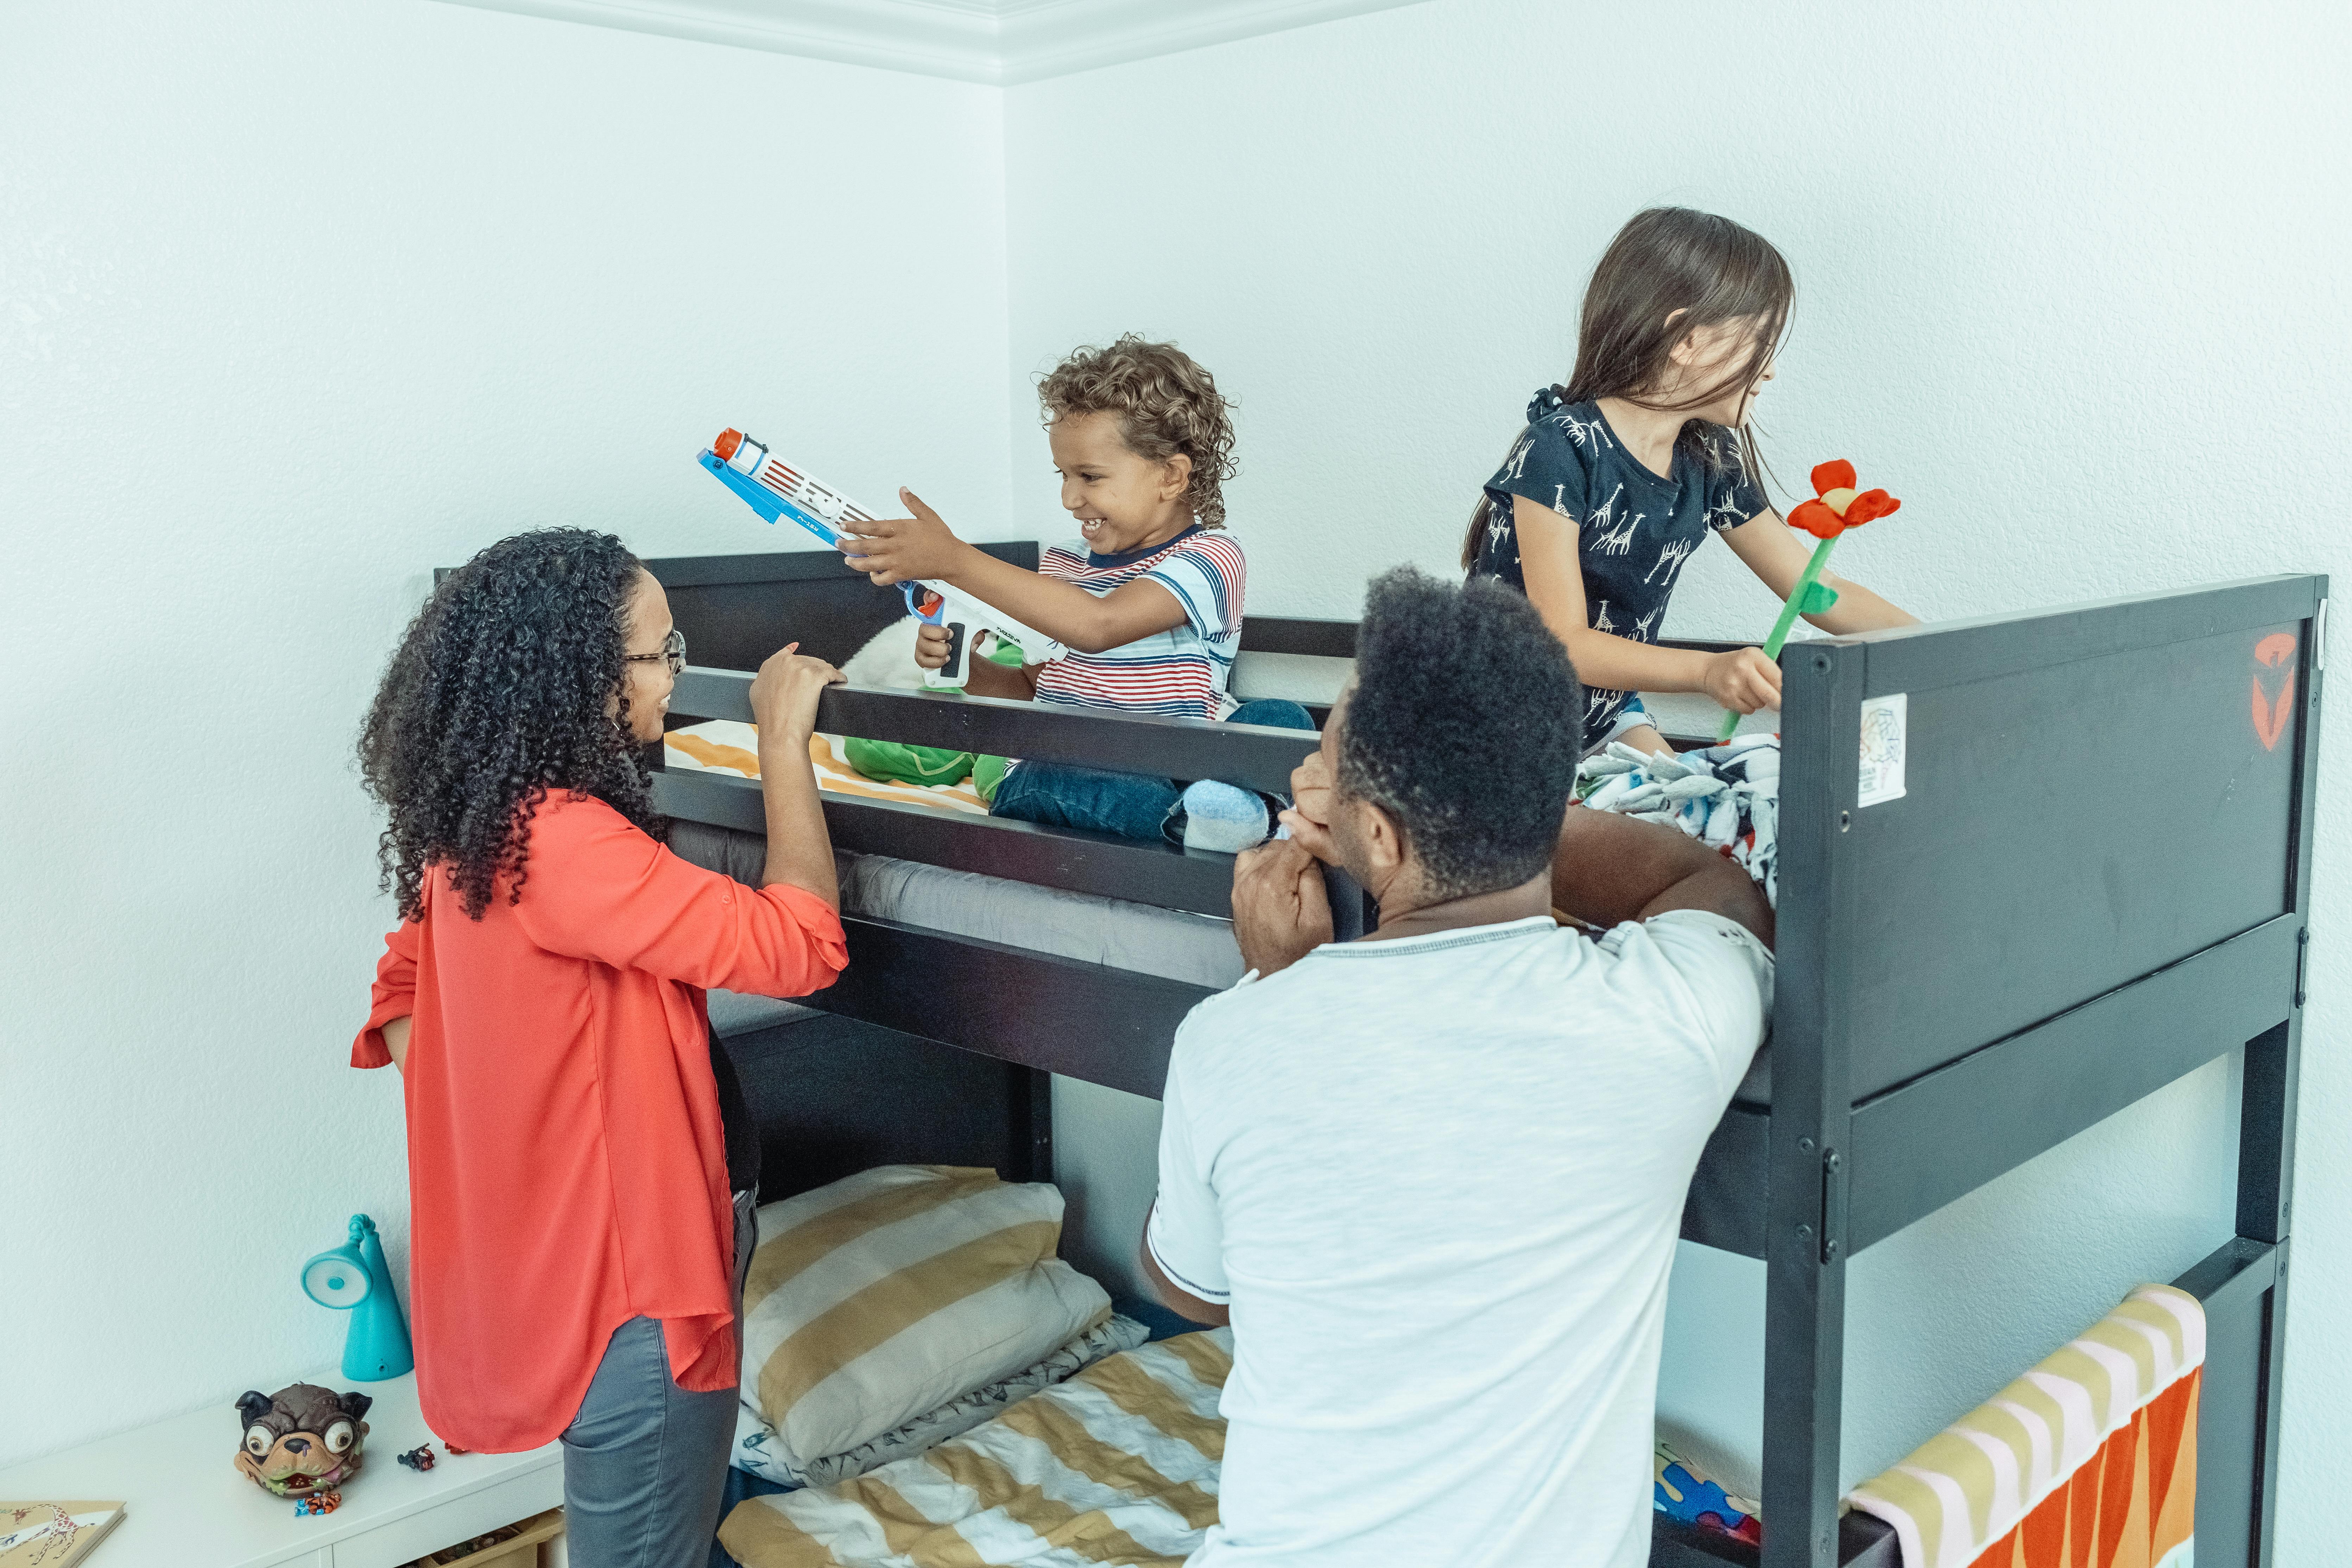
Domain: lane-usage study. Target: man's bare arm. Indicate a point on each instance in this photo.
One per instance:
(1174, 1296)
(1611, 868)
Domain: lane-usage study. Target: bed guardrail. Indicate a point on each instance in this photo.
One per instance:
(1255, 756)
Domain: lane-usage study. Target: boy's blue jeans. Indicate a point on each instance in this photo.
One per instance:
(1133, 805)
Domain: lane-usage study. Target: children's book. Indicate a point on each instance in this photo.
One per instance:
(53, 1534)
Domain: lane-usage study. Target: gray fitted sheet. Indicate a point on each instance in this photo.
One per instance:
(1173, 943)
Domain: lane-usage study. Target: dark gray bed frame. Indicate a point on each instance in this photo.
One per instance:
(1968, 976)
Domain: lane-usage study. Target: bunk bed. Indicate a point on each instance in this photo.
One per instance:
(1972, 969)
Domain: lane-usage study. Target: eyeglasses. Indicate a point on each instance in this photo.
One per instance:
(673, 649)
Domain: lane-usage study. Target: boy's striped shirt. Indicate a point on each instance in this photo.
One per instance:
(1181, 672)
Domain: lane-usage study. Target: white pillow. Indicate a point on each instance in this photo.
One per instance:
(892, 1292)
(758, 1450)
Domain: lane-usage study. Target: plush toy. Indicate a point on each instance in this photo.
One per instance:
(302, 1440)
(1836, 506)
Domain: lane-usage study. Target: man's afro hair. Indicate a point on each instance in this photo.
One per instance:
(1465, 726)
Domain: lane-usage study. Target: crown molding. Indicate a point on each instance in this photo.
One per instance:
(999, 42)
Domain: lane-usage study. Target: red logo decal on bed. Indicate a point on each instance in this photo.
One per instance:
(2270, 717)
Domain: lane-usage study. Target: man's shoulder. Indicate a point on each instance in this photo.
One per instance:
(1377, 980)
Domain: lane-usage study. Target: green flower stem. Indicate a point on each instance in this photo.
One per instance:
(1805, 581)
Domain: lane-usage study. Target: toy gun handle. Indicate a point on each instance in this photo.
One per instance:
(957, 670)
(932, 609)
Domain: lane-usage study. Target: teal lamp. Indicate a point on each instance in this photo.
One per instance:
(354, 1279)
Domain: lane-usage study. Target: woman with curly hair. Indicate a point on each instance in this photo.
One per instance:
(578, 1229)
(1148, 601)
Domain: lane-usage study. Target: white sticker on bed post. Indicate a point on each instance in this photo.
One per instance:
(1885, 722)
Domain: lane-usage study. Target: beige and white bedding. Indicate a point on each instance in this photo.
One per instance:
(1117, 1465)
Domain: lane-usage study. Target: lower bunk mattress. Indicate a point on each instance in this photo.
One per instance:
(2088, 1460)
(1117, 1464)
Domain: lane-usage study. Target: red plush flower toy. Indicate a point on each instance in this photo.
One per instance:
(1836, 506)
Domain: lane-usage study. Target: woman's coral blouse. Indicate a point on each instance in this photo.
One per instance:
(566, 1167)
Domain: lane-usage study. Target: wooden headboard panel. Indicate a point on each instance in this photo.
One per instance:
(832, 1096)
(736, 610)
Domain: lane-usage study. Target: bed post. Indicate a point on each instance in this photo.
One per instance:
(2272, 1066)
(1813, 1108)
(1034, 1124)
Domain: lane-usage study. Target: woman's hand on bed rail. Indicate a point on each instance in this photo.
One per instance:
(1281, 912)
(783, 704)
(784, 693)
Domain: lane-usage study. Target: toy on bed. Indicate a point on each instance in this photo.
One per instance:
(777, 490)
(1727, 796)
(1836, 506)
(302, 1439)
(1683, 1492)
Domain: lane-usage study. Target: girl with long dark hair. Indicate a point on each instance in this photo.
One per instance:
(1622, 472)
(580, 1216)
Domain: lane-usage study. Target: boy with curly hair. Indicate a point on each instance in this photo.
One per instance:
(1149, 600)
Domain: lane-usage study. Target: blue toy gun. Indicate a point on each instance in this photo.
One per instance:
(777, 492)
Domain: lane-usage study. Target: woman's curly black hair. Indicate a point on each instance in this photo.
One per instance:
(504, 688)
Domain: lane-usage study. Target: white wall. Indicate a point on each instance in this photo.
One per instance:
(2070, 283)
(362, 287)
(297, 302)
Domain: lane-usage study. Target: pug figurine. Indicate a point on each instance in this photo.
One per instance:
(302, 1440)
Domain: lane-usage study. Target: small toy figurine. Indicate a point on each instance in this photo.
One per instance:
(322, 1503)
(1836, 506)
(419, 1458)
(302, 1439)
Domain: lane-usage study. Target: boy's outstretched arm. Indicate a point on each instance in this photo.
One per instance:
(1771, 550)
(922, 547)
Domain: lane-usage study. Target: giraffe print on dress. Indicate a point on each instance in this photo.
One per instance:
(1670, 561)
(1636, 529)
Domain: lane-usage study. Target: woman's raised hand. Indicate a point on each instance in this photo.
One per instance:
(1742, 680)
(784, 694)
(903, 549)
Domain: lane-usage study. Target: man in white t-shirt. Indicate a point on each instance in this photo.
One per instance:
(1436, 1176)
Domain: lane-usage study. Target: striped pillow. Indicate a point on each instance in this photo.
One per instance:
(891, 1292)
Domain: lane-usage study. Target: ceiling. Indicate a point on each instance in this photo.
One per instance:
(997, 41)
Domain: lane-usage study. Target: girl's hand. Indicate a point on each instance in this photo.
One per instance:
(903, 549)
(784, 694)
(931, 648)
(1742, 680)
